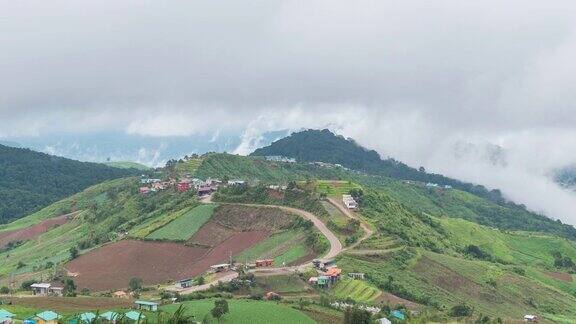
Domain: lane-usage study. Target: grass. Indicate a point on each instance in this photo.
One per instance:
(244, 311)
(128, 165)
(335, 214)
(334, 188)
(285, 247)
(358, 290)
(183, 227)
(280, 284)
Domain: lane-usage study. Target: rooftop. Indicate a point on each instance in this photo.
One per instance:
(147, 303)
(134, 315)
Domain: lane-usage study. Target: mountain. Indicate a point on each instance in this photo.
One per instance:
(325, 146)
(30, 180)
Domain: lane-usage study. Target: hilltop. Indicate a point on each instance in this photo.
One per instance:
(30, 180)
(478, 204)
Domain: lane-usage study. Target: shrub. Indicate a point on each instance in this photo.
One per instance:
(461, 310)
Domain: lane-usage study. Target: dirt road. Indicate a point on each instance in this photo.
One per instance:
(368, 231)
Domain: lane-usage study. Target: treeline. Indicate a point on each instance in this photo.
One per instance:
(31, 180)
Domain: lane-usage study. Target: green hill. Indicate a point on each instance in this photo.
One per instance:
(30, 180)
(128, 165)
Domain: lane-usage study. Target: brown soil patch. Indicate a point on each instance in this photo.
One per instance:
(559, 275)
(33, 231)
(72, 304)
(446, 278)
(393, 300)
(112, 266)
(211, 234)
(275, 194)
(248, 218)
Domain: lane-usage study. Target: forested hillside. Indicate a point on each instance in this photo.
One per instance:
(325, 146)
(30, 180)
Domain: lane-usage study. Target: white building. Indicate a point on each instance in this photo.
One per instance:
(349, 202)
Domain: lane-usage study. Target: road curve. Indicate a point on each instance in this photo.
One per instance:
(368, 231)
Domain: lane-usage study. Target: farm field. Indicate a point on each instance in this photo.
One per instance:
(244, 311)
(336, 215)
(282, 284)
(335, 188)
(358, 290)
(33, 231)
(184, 226)
(284, 247)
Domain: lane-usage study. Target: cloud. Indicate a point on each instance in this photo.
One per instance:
(409, 78)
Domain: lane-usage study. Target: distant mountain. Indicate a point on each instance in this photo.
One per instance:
(566, 177)
(148, 150)
(30, 180)
(325, 146)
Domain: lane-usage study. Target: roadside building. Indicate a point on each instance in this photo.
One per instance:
(184, 283)
(356, 275)
(334, 274)
(264, 263)
(220, 267)
(47, 317)
(530, 318)
(120, 294)
(313, 280)
(134, 316)
(109, 317)
(349, 202)
(146, 305)
(6, 317)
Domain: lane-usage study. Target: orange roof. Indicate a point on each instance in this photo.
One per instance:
(333, 271)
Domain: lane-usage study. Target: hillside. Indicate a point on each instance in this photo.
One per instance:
(470, 201)
(128, 165)
(30, 180)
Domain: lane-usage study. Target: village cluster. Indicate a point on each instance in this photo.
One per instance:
(202, 187)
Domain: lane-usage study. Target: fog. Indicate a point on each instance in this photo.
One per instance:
(417, 81)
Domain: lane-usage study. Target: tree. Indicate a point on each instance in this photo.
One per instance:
(200, 280)
(461, 310)
(355, 315)
(220, 308)
(69, 288)
(73, 253)
(135, 284)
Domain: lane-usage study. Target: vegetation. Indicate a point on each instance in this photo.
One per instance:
(243, 311)
(128, 165)
(183, 227)
(358, 290)
(30, 180)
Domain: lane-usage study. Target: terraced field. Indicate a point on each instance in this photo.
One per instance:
(358, 290)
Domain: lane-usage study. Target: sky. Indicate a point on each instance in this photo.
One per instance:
(477, 90)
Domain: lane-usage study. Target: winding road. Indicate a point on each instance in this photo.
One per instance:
(335, 245)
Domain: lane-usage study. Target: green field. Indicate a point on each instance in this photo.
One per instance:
(335, 188)
(183, 227)
(358, 290)
(336, 215)
(244, 311)
(287, 246)
(280, 284)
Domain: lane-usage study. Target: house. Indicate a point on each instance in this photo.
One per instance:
(184, 283)
(264, 263)
(6, 317)
(323, 281)
(236, 182)
(398, 314)
(144, 190)
(349, 202)
(41, 289)
(56, 291)
(333, 273)
(313, 280)
(87, 317)
(220, 267)
(183, 186)
(134, 316)
(383, 320)
(146, 305)
(47, 317)
(120, 294)
(328, 264)
(530, 318)
(109, 317)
